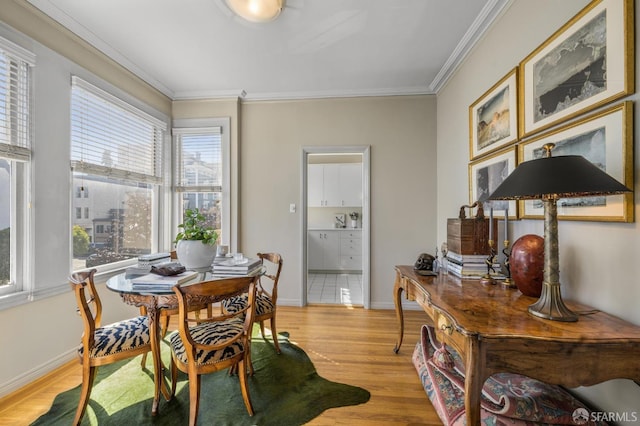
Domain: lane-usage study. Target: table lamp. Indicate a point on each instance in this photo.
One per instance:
(549, 179)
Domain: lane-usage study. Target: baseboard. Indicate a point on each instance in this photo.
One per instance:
(406, 305)
(37, 373)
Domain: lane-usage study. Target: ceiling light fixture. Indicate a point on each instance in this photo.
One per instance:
(256, 10)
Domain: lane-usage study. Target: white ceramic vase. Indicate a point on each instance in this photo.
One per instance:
(194, 255)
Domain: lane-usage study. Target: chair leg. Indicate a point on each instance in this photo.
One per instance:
(165, 326)
(244, 387)
(274, 333)
(174, 377)
(194, 398)
(88, 377)
(249, 362)
(262, 329)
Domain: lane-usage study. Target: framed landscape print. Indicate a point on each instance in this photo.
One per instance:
(486, 174)
(584, 65)
(605, 139)
(493, 119)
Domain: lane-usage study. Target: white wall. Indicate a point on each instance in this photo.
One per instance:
(401, 133)
(42, 334)
(598, 261)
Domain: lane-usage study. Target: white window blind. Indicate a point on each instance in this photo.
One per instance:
(111, 138)
(198, 159)
(15, 64)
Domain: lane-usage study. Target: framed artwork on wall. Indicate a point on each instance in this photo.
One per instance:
(605, 139)
(493, 118)
(486, 174)
(587, 63)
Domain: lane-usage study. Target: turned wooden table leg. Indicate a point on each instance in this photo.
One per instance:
(154, 331)
(397, 291)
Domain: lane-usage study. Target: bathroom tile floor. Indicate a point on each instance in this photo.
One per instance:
(343, 289)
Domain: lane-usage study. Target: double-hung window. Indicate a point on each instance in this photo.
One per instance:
(201, 174)
(15, 159)
(116, 158)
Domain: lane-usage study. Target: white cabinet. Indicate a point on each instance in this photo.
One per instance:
(323, 250)
(351, 250)
(351, 184)
(337, 250)
(315, 185)
(334, 185)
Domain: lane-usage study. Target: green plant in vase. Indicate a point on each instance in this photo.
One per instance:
(195, 228)
(196, 241)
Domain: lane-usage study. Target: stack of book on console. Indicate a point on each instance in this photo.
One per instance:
(145, 262)
(161, 282)
(231, 267)
(472, 266)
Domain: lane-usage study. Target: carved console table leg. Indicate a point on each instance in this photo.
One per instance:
(474, 380)
(397, 300)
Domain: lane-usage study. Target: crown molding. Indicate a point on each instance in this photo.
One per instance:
(492, 10)
(276, 96)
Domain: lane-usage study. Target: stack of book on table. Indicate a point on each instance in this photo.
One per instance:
(472, 266)
(145, 262)
(230, 267)
(161, 282)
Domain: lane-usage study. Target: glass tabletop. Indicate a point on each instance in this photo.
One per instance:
(122, 283)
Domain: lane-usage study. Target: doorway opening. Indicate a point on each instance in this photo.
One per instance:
(336, 222)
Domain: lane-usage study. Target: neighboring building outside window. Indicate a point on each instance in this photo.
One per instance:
(15, 161)
(116, 151)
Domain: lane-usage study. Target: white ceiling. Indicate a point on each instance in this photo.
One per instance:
(316, 48)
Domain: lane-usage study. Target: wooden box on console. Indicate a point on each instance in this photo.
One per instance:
(470, 236)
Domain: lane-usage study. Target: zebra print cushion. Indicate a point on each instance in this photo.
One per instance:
(210, 333)
(119, 337)
(264, 305)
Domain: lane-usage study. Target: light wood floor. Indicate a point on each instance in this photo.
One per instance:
(347, 345)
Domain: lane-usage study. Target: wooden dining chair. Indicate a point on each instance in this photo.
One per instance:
(266, 295)
(103, 345)
(218, 341)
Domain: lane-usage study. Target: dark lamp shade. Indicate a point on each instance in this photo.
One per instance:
(563, 176)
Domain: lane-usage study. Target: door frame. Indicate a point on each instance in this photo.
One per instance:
(364, 150)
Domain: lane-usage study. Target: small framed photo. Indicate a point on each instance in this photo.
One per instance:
(493, 119)
(586, 64)
(486, 174)
(605, 139)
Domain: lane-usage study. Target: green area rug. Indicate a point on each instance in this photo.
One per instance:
(285, 390)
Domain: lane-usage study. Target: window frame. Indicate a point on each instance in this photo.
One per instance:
(157, 180)
(203, 126)
(19, 156)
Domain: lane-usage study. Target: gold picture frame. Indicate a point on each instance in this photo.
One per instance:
(486, 174)
(604, 138)
(586, 64)
(493, 118)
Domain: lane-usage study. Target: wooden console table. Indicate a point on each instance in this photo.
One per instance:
(492, 331)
